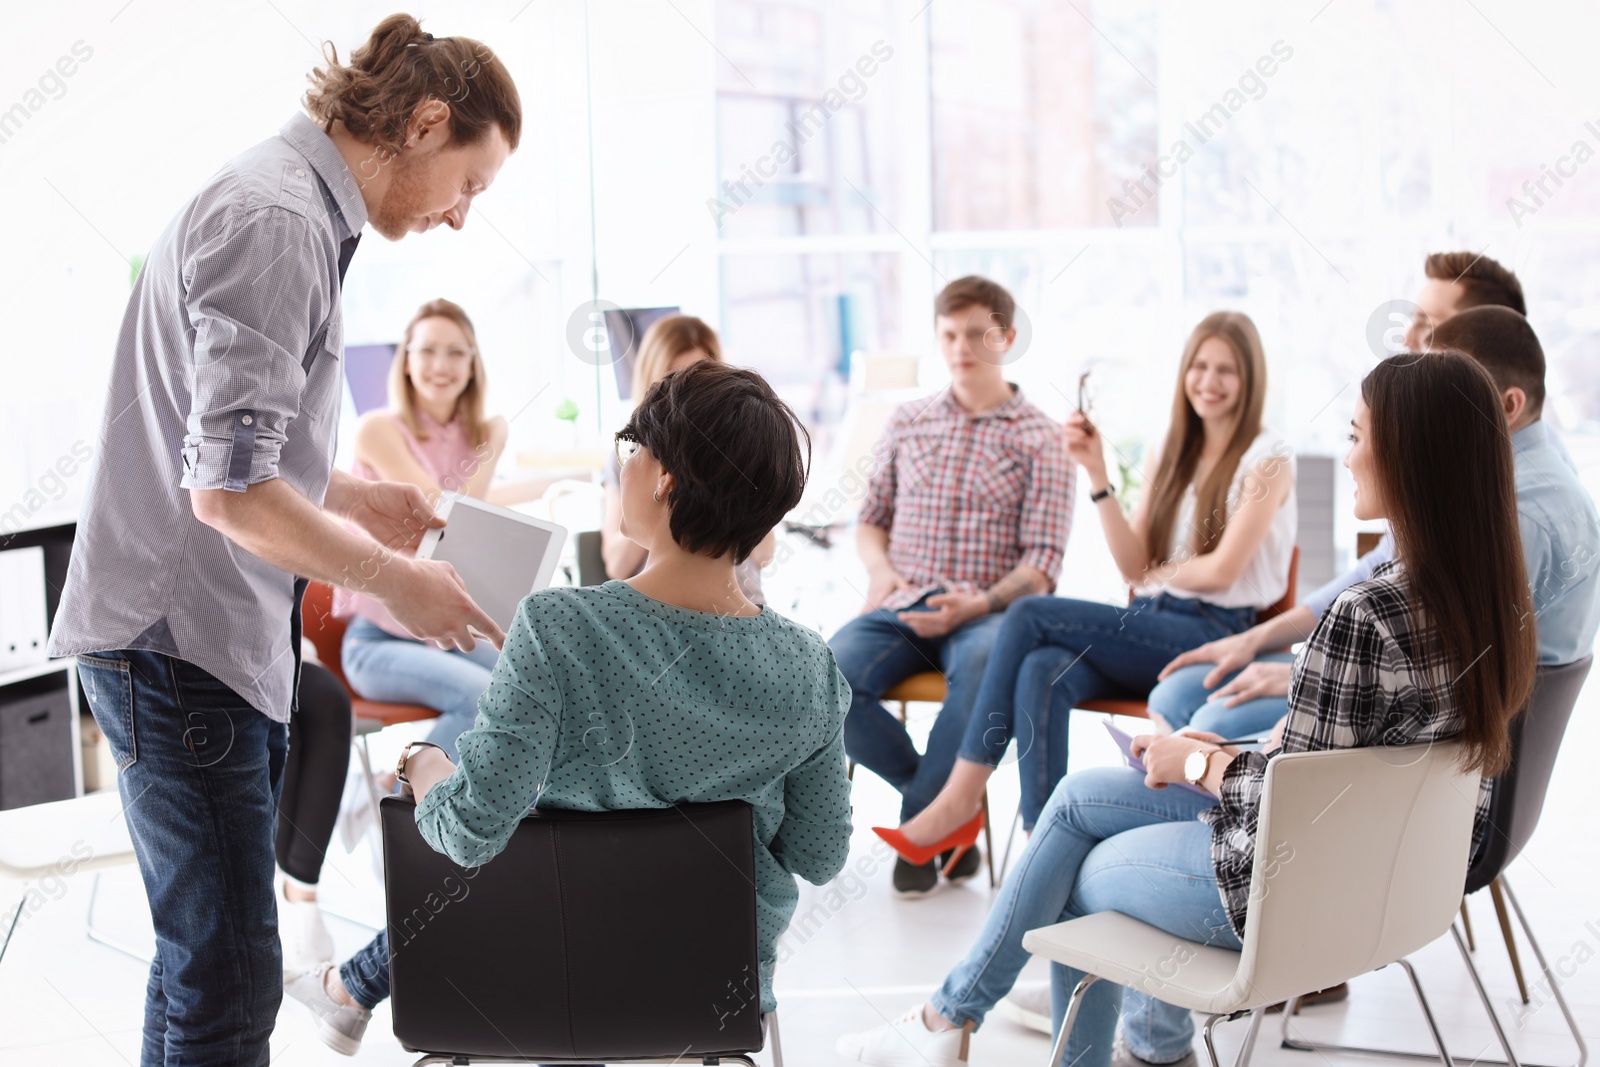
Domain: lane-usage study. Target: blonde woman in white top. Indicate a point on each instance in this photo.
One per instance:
(1206, 548)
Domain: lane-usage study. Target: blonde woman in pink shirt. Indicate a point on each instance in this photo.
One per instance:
(434, 435)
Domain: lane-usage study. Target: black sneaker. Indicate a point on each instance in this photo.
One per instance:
(913, 881)
(970, 863)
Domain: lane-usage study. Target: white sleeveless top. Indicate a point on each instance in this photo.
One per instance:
(1266, 577)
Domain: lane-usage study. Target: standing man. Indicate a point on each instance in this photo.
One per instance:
(968, 510)
(215, 488)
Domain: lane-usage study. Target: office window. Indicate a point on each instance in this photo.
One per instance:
(1040, 111)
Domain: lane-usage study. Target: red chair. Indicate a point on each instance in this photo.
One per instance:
(326, 634)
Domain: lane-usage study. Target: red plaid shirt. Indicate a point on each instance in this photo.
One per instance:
(967, 498)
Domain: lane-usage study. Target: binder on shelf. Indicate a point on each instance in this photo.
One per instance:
(23, 627)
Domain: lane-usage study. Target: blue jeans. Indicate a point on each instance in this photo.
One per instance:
(1104, 842)
(1053, 653)
(1183, 700)
(199, 771)
(399, 670)
(877, 651)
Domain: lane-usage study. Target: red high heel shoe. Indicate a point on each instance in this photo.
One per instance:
(961, 840)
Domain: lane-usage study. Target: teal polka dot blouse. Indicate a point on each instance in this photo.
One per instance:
(605, 699)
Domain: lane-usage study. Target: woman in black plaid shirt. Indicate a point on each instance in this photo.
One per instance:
(1438, 644)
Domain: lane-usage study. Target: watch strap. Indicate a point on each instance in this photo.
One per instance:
(1095, 498)
(405, 754)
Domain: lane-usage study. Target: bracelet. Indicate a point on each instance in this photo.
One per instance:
(1095, 498)
(405, 754)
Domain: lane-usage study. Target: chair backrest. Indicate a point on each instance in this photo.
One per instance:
(1286, 601)
(1359, 857)
(1518, 795)
(598, 936)
(319, 626)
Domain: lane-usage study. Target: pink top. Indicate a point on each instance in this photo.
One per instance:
(449, 456)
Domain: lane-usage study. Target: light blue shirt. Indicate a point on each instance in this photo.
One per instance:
(1560, 543)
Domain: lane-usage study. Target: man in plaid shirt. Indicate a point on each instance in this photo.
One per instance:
(969, 510)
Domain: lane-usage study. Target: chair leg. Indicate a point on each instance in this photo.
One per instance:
(988, 840)
(1550, 979)
(372, 786)
(93, 933)
(1505, 932)
(15, 915)
(1427, 1012)
(1248, 1049)
(1005, 861)
(1059, 1048)
(774, 1040)
(1466, 922)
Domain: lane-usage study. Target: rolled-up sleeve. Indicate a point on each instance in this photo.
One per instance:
(813, 840)
(256, 295)
(505, 757)
(1047, 508)
(878, 507)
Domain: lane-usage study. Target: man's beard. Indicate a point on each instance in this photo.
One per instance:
(402, 202)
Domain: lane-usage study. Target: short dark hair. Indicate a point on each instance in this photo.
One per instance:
(973, 291)
(1504, 343)
(738, 454)
(1483, 281)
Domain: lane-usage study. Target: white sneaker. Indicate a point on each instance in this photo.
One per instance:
(305, 937)
(906, 1042)
(340, 1028)
(1028, 1005)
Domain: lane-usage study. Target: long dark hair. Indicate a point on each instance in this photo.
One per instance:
(1186, 437)
(1442, 456)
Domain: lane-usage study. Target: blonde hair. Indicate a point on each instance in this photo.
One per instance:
(665, 341)
(1186, 437)
(469, 405)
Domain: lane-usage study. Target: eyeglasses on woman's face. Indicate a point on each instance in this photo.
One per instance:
(627, 448)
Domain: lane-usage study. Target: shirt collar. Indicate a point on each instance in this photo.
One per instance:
(1533, 435)
(318, 148)
(946, 403)
(1388, 566)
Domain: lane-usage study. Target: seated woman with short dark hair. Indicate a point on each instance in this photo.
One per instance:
(670, 687)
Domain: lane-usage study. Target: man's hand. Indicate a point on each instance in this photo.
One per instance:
(881, 584)
(1228, 653)
(951, 611)
(395, 514)
(428, 598)
(1256, 680)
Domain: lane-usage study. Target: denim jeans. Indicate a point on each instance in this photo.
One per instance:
(1104, 842)
(1053, 653)
(1183, 700)
(399, 670)
(877, 651)
(199, 771)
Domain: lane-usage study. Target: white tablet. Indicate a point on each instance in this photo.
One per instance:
(502, 555)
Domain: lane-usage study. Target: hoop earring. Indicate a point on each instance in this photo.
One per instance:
(656, 496)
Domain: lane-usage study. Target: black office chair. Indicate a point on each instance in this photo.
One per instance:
(595, 937)
(1514, 807)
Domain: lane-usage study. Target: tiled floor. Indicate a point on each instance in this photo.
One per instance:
(865, 955)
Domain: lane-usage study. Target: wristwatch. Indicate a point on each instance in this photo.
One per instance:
(1197, 764)
(1095, 498)
(405, 753)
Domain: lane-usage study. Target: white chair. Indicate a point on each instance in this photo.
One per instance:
(63, 839)
(1360, 859)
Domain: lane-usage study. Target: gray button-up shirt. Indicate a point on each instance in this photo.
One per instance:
(227, 373)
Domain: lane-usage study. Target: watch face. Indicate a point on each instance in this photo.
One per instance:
(1194, 765)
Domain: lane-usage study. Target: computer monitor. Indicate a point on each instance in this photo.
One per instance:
(366, 369)
(625, 328)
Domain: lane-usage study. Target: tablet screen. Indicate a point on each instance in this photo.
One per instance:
(498, 556)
